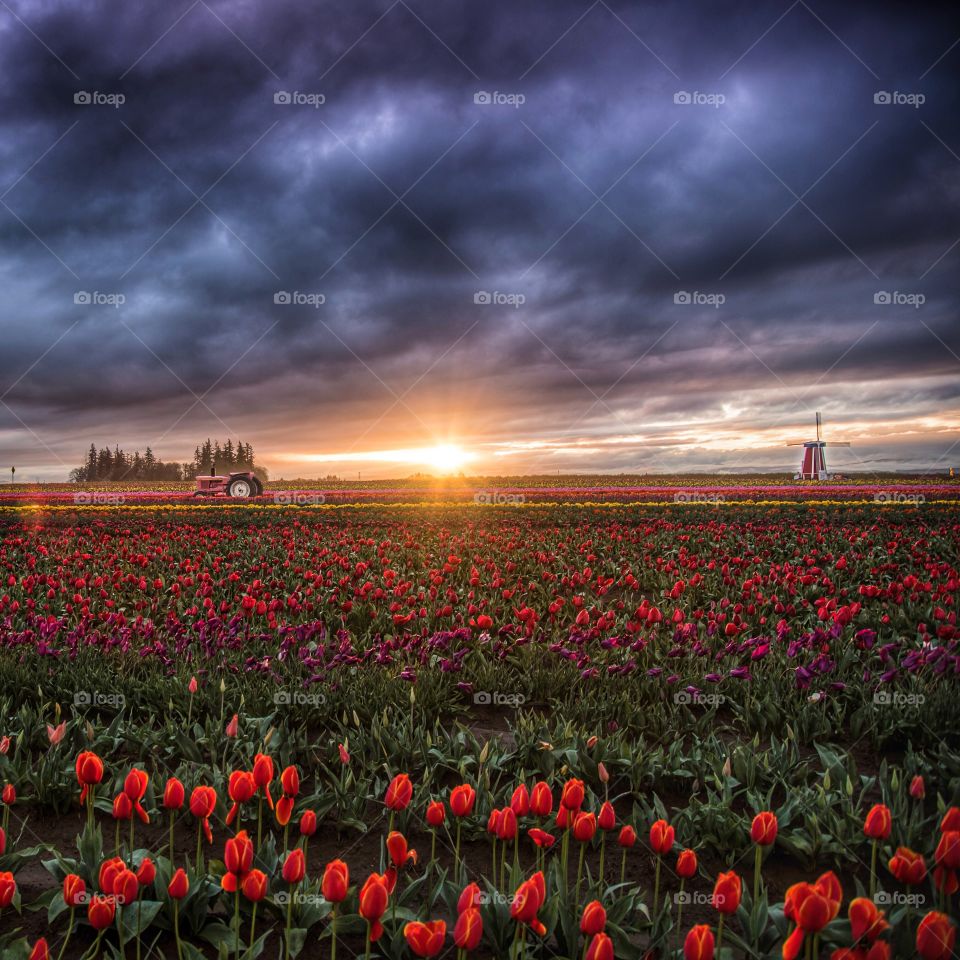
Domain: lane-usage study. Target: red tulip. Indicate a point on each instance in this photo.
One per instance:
(122, 807)
(89, 769)
(294, 867)
(233, 727)
(763, 830)
(100, 911)
(468, 929)
(947, 853)
(263, 775)
(600, 948)
(541, 838)
(9, 795)
(425, 939)
(726, 893)
(108, 873)
(436, 813)
(686, 864)
(470, 896)
(284, 809)
(240, 788)
(146, 872)
(607, 818)
(908, 867)
(661, 837)
(699, 943)
(254, 886)
(125, 887)
(336, 881)
(594, 918)
(866, 921)
(584, 826)
(520, 801)
(951, 820)
(179, 885)
(173, 794)
(398, 850)
(8, 887)
(918, 789)
(308, 823)
(541, 799)
(290, 781)
(507, 825)
(203, 801)
(344, 755)
(56, 734)
(74, 890)
(572, 795)
(878, 823)
(399, 792)
(40, 951)
(627, 837)
(462, 799)
(372, 905)
(936, 936)
(238, 859)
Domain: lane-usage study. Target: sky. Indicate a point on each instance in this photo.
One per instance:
(555, 236)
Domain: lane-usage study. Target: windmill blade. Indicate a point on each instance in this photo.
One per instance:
(836, 443)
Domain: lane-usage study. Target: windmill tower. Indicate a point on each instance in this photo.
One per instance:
(813, 466)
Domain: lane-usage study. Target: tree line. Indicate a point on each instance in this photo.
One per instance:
(208, 457)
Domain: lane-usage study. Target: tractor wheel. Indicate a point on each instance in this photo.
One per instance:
(239, 487)
(257, 487)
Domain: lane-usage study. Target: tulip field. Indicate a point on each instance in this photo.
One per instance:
(578, 721)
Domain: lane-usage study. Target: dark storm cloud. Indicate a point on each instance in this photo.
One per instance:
(598, 199)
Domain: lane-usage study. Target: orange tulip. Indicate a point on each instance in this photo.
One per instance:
(284, 809)
(336, 881)
(254, 886)
(398, 850)
(699, 943)
(399, 792)
(425, 939)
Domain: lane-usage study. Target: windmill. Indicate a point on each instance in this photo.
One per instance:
(813, 466)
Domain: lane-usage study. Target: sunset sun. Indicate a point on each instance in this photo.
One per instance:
(445, 457)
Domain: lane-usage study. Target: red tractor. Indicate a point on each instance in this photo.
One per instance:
(232, 485)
